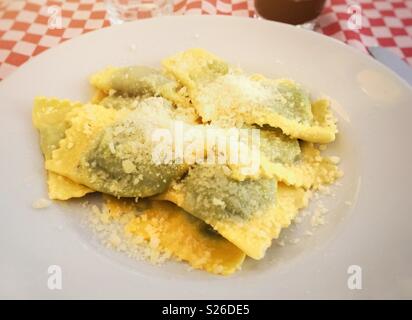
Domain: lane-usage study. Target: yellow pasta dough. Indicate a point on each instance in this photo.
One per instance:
(51, 118)
(179, 234)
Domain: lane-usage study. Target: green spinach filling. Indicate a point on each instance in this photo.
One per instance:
(211, 192)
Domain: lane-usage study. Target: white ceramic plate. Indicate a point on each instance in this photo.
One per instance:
(369, 223)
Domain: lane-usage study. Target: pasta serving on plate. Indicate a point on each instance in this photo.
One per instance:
(179, 195)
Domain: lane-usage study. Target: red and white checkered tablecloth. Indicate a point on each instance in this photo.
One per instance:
(25, 29)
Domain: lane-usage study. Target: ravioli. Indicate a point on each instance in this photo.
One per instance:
(113, 150)
(122, 159)
(86, 123)
(270, 149)
(252, 233)
(139, 81)
(50, 117)
(241, 211)
(293, 163)
(181, 235)
(280, 103)
(311, 171)
(322, 128)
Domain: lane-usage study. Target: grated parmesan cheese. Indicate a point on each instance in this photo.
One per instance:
(334, 159)
(41, 203)
(109, 229)
(318, 217)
